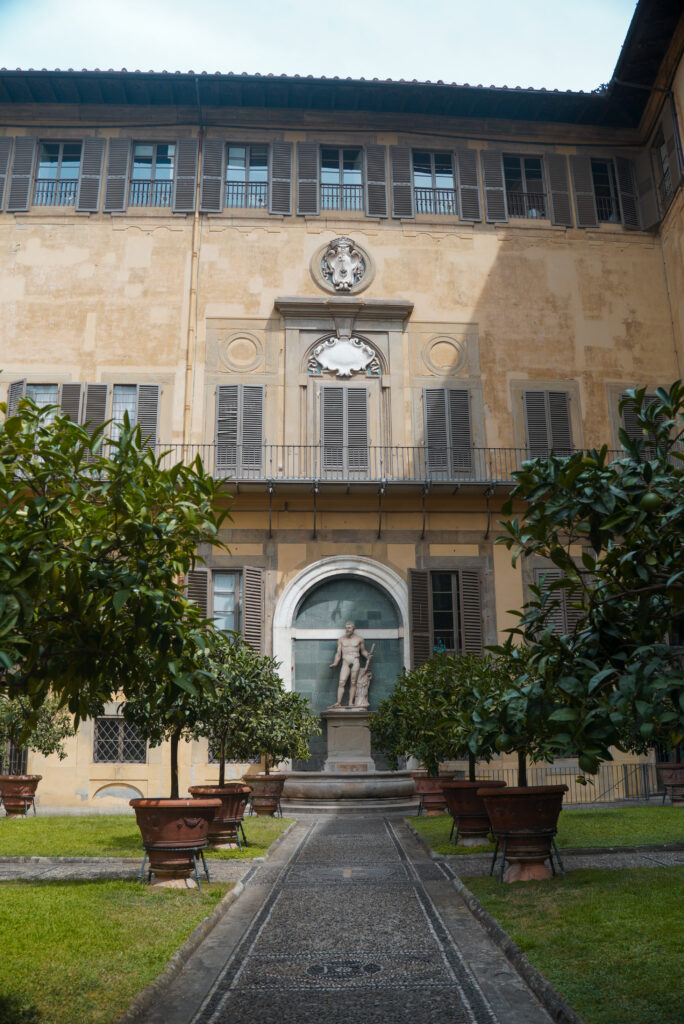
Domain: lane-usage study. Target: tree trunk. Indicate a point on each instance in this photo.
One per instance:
(471, 767)
(267, 765)
(222, 761)
(522, 768)
(175, 740)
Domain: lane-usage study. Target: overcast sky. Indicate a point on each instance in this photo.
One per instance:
(555, 44)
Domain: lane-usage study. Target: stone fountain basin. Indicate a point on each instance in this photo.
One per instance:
(348, 786)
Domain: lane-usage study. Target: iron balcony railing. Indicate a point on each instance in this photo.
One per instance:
(436, 200)
(614, 781)
(606, 210)
(342, 197)
(526, 204)
(55, 193)
(150, 193)
(250, 194)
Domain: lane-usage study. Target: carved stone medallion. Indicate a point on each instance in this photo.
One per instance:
(342, 267)
(343, 357)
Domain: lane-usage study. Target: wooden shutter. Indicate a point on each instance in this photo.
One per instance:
(197, 589)
(583, 184)
(559, 422)
(280, 193)
(19, 197)
(227, 412)
(469, 186)
(436, 429)
(211, 184)
(357, 428)
(649, 215)
(251, 430)
(544, 578)
(95, 407)
(626, 192)
(460, 433)
(116, 181)
(332, 426)
(5, 150)
(470, 592)
(307, 178)
(185, 176)
(536, 424)
(15, 392)
(669, 127)
(70, 401)
(402, 181)
(147, 413)
(376, 182)
(253, 607)
(90, 176)
(420, 612)
(559, 189)
(495, 193)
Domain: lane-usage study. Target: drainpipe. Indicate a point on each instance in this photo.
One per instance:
(192, 304)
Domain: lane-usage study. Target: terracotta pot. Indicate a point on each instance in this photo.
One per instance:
(233, 796)
(171, 830)
(429, 789)
(18, 792)
(672, 776)
(525, 817)
(266, 792)
(465, 803)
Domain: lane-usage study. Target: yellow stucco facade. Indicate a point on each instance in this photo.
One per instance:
(200, 301)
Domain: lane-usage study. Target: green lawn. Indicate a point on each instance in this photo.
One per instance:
(80, 951)
(614, 826)
(110, 836)
(609, 941)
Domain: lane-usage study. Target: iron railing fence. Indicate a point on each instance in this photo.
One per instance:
(342, 197)
(526, 204)
(13, 760)
(436, 200)
(606, 210)
(250, 194)
(294, 463)
(55, 193)
(150, 193)
(614, 781)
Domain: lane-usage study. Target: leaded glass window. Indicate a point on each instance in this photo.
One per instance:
(117, 740)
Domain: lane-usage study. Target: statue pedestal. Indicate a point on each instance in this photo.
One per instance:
(349, 740)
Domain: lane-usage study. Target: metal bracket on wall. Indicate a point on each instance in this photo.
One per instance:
(315, 508)
(423, 495)
(489, 491)
(271, 491)
(381, 491)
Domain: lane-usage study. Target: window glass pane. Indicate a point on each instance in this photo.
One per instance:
(164, 165)
(330, 166)
(444, 610)
(444, 172)
(43, 394)
(258, 163)
(422, 170)
(599, 170)
(124, 400)
(236, 165)
(513, 174)
(533, 174)
(143, 156)
(351, 167)
(71, 159)
(227, 600)
(48, 160)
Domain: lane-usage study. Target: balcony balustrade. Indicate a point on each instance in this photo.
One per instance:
(49, 192)
(436, 201)
(250, 194)
(342, 197)
(150, 193)
(526, 204)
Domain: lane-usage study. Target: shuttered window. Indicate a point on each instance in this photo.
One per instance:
(525, 192)
(547, 423)
(448, 432)
(151, 181)
(434, 183)
(605, 191)
(68, 397)
(141, 402)
(564, 618)
(632, 427)
(666, 157)
(57, 173)
(233, 598)
(247, 176)
(239, 429)
(344, 429)
(5, 150)
(446, 612)
(341, 178)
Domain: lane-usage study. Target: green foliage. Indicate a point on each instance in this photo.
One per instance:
(284, 727)
(94, 544)
(246, 687)
(432, 713)
(616, 678)
(43, 731)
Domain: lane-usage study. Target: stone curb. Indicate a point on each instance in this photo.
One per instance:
(557, 1008)
(135, 1014)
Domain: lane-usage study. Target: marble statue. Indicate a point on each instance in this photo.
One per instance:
(350, 649)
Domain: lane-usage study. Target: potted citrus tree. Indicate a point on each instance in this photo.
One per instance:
(227, 715)
(43, 731)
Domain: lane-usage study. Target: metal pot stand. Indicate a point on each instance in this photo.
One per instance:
(512, 835)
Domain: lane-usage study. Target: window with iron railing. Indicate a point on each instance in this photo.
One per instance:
(525, 193)
(57, 171)
(151, 181)
(118, 741)
(605, 191)
(434, 189)
(247, 176)
(341, 179)
(13, 760)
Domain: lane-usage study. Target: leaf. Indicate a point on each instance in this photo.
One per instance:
(564, 715)
(119, 599)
